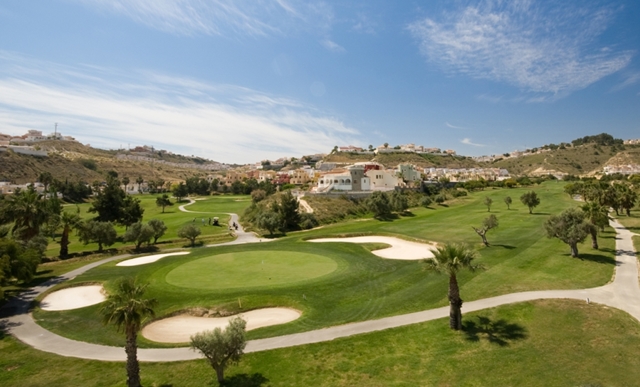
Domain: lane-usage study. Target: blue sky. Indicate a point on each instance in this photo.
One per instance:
(239, 81)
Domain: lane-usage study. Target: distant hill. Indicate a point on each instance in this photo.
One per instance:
(584, 159)
(73, 161)
(77, 162)
(581, 160)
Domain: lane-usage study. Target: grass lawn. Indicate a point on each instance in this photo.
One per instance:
(362, 286)
(205, 207)
(632, 223)
(541, 343)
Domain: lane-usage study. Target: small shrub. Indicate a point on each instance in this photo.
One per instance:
(89, 164)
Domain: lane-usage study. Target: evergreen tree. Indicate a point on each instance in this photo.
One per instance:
(109, 201)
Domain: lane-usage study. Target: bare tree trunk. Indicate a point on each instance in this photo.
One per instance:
(64, 242)
(574, 250)
(455, 304)
(482, 234)
(594, 238)
(220, 373)
(133, 368)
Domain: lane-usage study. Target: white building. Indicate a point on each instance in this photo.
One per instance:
(383, 180)
(351, 179)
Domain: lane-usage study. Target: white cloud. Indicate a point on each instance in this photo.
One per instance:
(467, 141)
(108, 109)
(544, 50)
(453, 126)
(221, 17)
(332, 46)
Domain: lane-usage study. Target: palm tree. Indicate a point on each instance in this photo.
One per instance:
(69, 221)
(28, 212)
(139, 180)
(450, 259)
(127, 309)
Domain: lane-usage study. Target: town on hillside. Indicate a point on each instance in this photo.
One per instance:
(313, 174)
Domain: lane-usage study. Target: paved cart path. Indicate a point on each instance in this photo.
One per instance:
(622, 293)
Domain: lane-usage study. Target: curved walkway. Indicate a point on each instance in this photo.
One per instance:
(242, 236)
(622, 293)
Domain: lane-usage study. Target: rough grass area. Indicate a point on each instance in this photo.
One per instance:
(541, 343)
(332, 210)
(249, 269)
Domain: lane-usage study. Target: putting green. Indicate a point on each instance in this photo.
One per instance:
(248, 269)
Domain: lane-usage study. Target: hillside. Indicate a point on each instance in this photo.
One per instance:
(77, 162)
(586, 159)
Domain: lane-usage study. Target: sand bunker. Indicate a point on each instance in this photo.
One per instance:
(400, 249)
(148, 259)
(179, 329)
(73, 298)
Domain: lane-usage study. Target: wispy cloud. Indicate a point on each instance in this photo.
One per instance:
(364, 25)
(108, 109)
(631, 79)
(332, 46)
(221, 17)
(467, 141)
(520, 42)
(453, 126)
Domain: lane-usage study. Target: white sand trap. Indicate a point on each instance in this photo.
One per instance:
(400, 249)
(73, 298)
(148, 259)
(179, 329)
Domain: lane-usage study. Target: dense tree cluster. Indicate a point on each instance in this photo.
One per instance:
(280, 212)
(602, 139)
(112, 204)
(25, 216)
(620, 196)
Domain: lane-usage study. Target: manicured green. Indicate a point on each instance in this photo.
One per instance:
(365, 286)
(542, 343)
(250, 269)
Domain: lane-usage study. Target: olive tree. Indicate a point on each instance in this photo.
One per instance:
(139, 233)
(530, 199)
(570, 226)
(222, 347)
(487, 224)
(488, 202)
(190, 232)
(158, 227)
